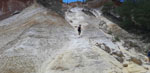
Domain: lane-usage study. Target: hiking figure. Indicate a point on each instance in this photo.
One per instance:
(148, 55)
(79, 29)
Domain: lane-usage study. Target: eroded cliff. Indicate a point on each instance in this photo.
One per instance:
(41, 41)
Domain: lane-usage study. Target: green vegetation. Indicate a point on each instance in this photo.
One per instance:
(133, 15)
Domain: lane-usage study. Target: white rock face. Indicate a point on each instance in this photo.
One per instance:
(76, 17)
(38, 41)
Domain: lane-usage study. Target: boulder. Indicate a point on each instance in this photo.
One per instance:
(125, 65)
(118, 53)
(120, 59)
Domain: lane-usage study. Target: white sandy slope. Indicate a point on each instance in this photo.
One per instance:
(40, 41)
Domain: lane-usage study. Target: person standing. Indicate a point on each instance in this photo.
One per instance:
(79, 29)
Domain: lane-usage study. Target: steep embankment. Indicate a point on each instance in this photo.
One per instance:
(12, 7)
(38, 41)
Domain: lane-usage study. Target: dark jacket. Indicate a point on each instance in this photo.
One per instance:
(148, 54)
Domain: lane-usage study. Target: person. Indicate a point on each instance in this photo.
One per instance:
(148, 54)
(79, 29)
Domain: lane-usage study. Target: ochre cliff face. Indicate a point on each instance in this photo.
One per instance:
(94, 3)
(11, 7)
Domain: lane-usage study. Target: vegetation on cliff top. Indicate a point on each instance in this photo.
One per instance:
(134, 15)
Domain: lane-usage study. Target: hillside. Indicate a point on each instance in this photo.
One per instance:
(38, 40)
